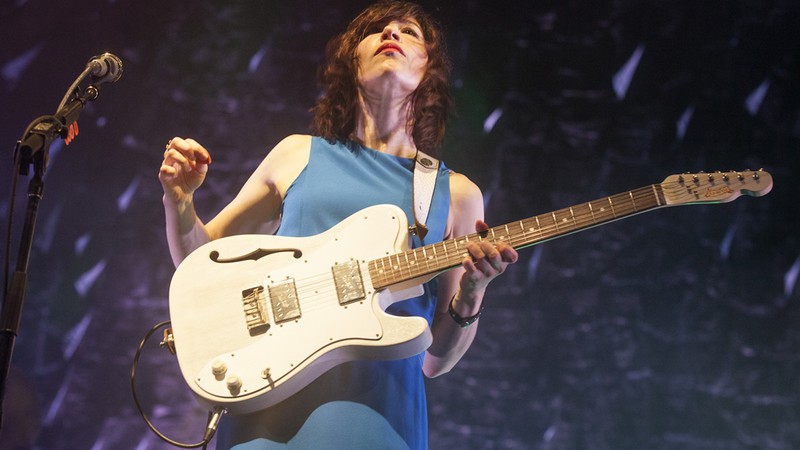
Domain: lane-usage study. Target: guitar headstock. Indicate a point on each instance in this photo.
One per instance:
(715, 187)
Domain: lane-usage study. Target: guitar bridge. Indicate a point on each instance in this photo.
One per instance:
(253, 303)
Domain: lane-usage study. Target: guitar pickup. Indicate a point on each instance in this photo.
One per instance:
(253, 303)
(283, 298)
(349, 285)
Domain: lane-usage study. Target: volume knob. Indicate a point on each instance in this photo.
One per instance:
(218, 368)
(234, 384)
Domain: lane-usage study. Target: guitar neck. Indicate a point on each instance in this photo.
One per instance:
(445, 255)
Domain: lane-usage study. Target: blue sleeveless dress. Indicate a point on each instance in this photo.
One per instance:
(360, 404)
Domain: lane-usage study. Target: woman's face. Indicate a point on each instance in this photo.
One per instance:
(394, 52)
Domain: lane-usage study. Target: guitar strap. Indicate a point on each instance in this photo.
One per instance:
(425, 169)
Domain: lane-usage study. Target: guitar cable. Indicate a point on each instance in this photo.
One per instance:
(213, 415)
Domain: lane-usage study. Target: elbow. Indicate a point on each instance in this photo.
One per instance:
(433, 366)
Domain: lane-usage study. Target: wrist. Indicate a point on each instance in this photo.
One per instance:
(177, 203)
(462, 317)
(180, 214)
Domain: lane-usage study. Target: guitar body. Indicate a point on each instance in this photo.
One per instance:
(256, 318)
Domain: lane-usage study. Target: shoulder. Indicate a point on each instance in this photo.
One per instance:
(466, 205)
(291, 151)
(291, 147)
(285, 161)
(464, 192)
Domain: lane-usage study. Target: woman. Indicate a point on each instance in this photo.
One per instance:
(385, 97)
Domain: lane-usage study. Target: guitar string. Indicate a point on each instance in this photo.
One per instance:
(652, 196)
(416, 262)
(570, 220)
(642, 200)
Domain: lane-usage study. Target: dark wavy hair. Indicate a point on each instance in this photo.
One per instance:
(431, 104)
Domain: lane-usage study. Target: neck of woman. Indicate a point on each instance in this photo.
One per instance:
(382, 124)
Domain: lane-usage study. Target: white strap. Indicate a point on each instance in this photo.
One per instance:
(425, 169)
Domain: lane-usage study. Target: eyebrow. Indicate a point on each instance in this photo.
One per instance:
(411, 22)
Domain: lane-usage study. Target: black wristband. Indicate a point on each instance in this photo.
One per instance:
(463, 322)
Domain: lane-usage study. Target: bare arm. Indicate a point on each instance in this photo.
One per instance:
(255, 209)
(464, 286)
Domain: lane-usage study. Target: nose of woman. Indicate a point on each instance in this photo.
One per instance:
(390, 31)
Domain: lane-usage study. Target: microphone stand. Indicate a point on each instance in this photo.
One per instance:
(33, 149)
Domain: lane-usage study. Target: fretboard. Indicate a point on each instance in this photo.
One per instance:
(441, 256)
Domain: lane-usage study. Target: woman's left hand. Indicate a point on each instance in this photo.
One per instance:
(485, 262)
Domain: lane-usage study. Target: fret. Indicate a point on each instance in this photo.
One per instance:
(427, 258)
(372, 268)
(402, 265)
(610, 203)
(605, 212)
(582, 213)
(414, 261)
(630, 194)
(572, 213)
(624, 206)
(539, 225)
(446, 254)
(591, 210)
(643, 199)
(555, 221)
(384, 271)
(563, 217)
(454, 249)
(392, 269)
(655, 194)
(398, 267)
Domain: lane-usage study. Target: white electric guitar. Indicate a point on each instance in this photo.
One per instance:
(256, 318)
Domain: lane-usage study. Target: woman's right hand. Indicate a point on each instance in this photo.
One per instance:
(183, 169)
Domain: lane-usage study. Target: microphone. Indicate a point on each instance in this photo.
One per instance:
(106, 68)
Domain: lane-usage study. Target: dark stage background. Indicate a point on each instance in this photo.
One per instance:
(674, 329)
